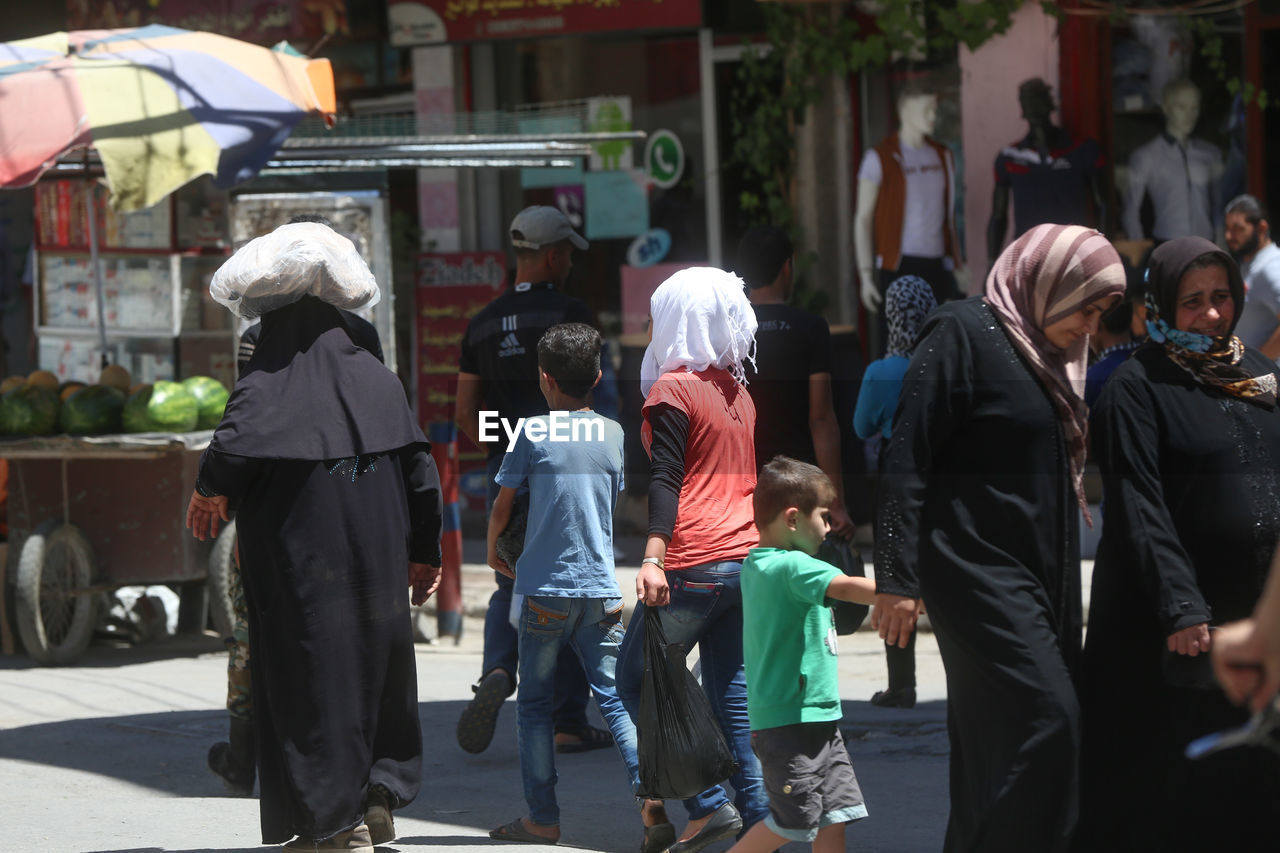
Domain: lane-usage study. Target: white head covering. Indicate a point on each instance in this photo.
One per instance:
(295, 260)
(701, 319)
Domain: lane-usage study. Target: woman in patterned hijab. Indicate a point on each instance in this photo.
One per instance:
(1187, 437)
(907, 302)
(1213, 359)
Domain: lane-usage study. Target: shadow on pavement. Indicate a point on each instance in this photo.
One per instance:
(900, 757)
(171, 850)
(112, 653)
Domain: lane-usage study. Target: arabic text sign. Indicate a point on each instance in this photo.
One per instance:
(452, 288)
(426, 21)
(257, 21)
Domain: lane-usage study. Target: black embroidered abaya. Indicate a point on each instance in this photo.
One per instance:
(979, 517)
(1191, 517)
(336, 493)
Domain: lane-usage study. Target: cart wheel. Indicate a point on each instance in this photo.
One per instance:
(55, 624)
(221, 613)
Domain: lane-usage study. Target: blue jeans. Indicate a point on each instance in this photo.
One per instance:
(501, 643)
(590, 628)
(706, 609)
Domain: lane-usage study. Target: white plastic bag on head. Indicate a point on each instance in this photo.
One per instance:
(293, 261)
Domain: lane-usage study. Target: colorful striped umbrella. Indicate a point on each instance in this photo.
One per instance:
(161, 105)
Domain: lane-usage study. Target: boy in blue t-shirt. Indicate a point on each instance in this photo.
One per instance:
(812, 790)
(572, 459)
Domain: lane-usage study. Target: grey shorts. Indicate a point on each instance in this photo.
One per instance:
(809, 777)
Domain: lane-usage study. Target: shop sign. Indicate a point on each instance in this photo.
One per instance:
(638, 284)
(433, 21)
(611, 114)
(649, 248)
(664, 158)
(257, 21)
(572, 203)
(462, 268)
(617, 204)
(451, 289)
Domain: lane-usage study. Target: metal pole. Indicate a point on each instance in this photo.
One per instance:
(97, 270)
(710, 145)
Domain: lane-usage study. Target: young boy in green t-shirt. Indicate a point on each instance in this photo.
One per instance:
(807, 773)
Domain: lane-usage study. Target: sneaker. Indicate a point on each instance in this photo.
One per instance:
(377, 816)
(480, 717)
(899, 697)
(354, 841)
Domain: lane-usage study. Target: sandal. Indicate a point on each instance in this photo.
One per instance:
(515, 831)
(589, 738)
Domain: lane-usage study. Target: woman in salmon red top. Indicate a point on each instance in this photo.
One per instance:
(698, 428)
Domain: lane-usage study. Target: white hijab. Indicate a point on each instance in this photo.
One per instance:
(701, 319)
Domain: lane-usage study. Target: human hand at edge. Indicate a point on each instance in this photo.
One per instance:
(895, 618)
(841, 524)
(652, 588)
(1190, 641)
(424, 580)
(498, 564)
(204, 513)
(1246, 662)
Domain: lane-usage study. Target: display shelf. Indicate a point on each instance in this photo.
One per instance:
(154, 267)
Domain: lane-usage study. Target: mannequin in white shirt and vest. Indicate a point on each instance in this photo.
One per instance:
(1180, 174)
(904, 224)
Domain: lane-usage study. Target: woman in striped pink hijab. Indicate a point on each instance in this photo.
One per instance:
(979, 519)
(1049, 290)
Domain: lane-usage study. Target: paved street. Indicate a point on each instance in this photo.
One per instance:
(109, 756)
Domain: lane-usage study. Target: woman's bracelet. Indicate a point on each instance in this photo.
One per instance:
(657, 561)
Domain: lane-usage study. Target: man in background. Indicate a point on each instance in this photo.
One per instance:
(1249, 239)
(498, 371)
(791, 382)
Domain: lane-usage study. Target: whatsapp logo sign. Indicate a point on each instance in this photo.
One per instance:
(664, 158)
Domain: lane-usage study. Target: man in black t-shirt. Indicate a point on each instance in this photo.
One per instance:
(791, 382)
(498, 372)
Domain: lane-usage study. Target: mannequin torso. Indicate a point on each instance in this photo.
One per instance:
(1051, 176)
(1180, 174)
(914, 190)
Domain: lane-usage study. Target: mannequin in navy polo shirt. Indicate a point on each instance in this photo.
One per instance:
(1052, 177)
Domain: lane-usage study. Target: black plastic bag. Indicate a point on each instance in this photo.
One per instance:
(839, 553)
(682, 751)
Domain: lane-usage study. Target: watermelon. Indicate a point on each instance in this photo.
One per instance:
(93, 410)
(162, 407)
(211, 398)
(134, 416)
(29, 410)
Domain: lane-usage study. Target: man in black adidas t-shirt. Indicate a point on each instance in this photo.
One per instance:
(498, 372)
(791, 382)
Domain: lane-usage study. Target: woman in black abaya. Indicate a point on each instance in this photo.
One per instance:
(979, 514)
(1188, 439)
(342, 511)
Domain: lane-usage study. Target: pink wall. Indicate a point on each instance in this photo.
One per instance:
(992, 118)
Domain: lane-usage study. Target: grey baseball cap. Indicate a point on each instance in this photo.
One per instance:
(539, 226)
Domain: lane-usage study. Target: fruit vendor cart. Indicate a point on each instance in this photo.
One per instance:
(88, 515)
